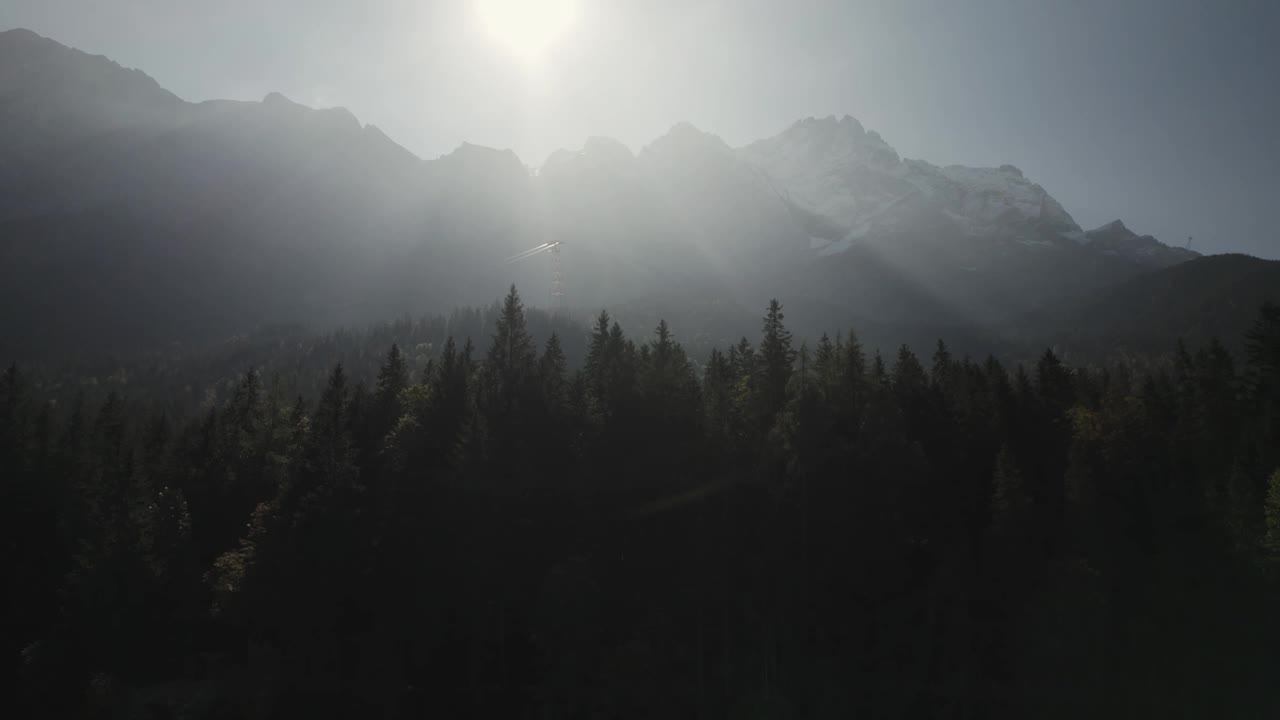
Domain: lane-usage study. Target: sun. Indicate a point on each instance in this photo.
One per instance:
(526, 28)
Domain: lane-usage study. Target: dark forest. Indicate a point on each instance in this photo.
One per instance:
(782, 530)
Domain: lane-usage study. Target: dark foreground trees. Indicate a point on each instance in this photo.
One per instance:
(781, 532)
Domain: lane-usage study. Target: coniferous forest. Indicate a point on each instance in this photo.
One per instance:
(778, 530)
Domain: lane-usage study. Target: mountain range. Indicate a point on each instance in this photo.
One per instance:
(130, 217)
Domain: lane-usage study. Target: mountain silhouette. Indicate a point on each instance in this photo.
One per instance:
(130, 217)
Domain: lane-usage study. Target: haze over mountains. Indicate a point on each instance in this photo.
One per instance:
(129, 217)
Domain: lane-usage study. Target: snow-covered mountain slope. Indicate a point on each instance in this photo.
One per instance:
(852, 176)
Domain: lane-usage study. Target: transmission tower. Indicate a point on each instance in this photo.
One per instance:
(557, 280)
(557, 271)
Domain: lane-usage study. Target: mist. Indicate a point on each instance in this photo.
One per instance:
(571, 359)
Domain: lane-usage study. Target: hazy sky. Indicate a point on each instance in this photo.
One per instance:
(1161, 112)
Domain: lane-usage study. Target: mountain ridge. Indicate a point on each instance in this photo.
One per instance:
(311, 215)
(980, 200)
(1214, 296)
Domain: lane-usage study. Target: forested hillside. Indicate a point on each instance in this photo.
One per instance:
(1205, 298)
(782, 531)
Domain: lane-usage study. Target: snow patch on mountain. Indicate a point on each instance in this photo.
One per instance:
(989, 195)
(834, 167)
(838, 168)
(842, 171)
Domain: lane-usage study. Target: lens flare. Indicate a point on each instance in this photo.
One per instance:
(526, 28)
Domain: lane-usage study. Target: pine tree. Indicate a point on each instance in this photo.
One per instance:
(450, 383)
(743, 359)
(718, 394)
(599, 336)
(669, 404)
(107, 489)
(1024, 396)
(1245, 504)
(669, 377)
(824, 359)
(803, 374)
(12, 401)
(943, 365)
(508, 384)
(1053, 381)
(512, 355)
(663, 346)
(597, 365)
(242, 451)
(552, 369)
(375, 425)
(428, 439)
(1262, 342)
(245, 410)
(1271, 541)
(853, 365)
(908, 374)
(328, 457)
(393, 378)
(999, 397)
(1262, 346)
(1009, 502)
(611, 372)
(775, 364)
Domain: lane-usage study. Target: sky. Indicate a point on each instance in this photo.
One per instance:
(1163, 113)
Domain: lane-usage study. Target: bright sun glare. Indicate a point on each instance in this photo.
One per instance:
(526, 28)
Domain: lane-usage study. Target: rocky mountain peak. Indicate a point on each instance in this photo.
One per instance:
(830, 125)
(683, 137)
(334, 118)
(607, 148)
(1115, 238)
(470, 164)
(598, 154)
